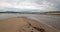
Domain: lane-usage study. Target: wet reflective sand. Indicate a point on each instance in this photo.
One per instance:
(53, 20)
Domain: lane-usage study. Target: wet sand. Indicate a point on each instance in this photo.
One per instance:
(23, 24)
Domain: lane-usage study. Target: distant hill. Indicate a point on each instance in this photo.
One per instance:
(55, 11)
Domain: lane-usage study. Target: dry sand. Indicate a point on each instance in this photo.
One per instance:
(23, 24)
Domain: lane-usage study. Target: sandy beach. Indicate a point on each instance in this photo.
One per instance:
(23, 24)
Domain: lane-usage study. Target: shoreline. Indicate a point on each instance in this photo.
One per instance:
(20, 23)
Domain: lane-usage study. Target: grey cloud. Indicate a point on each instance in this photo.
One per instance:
(39, 2)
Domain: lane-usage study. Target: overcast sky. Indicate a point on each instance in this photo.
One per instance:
(31, 4)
